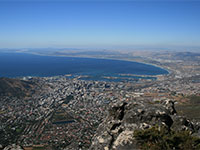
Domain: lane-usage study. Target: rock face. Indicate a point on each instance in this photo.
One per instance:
(116, 131)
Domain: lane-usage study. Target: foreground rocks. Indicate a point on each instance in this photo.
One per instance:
(117, 129)
(13, 147)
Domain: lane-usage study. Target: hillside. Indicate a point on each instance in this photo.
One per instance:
(15, 87)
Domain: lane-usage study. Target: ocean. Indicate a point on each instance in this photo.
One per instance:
(22, 64)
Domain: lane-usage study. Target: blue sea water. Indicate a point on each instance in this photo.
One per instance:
(21, 64)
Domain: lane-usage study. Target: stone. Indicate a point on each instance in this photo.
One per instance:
(116, 130)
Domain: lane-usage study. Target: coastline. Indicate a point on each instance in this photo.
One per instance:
(160, 76)
(169, 72)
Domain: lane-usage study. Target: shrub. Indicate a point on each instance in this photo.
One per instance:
(160, 138)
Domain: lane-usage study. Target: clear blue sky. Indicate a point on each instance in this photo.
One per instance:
(99, 23)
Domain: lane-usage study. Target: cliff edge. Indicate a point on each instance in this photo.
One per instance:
(124, 118)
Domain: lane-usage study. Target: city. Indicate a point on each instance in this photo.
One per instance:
(63, 112)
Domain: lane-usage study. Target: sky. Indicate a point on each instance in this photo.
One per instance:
(99, 23)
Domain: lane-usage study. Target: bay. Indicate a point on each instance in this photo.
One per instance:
(22, 64)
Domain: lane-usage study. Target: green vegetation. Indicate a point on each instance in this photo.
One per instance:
(39, 148)
(68, 99)
(191, 109)
(60, 115)
(194, 99)
(18, 130)
(159, 138)
(2, 112)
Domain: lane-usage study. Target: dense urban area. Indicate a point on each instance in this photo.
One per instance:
(64, 113)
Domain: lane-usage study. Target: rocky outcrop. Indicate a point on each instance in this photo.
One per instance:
(116, 131)
(13, 147)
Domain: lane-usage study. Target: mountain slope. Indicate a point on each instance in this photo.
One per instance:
(15, 87)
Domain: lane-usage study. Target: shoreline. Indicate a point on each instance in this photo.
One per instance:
(157, 76)
(151, 64)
